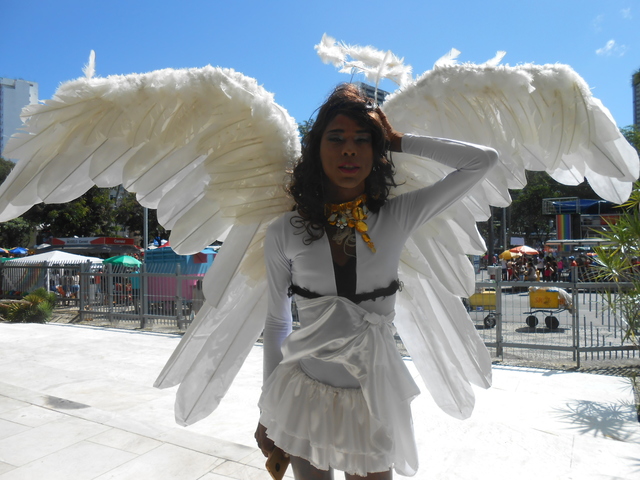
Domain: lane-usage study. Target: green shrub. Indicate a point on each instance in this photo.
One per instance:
(36, 308)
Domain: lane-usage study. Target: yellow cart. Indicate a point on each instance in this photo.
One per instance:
(482, 301)
(545, 301)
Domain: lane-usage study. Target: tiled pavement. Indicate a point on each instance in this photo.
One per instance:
(77, 403)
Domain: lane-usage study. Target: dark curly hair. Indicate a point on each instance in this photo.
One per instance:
(307, 179)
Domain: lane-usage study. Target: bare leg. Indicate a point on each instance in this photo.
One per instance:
(303, 470)
(388, 475)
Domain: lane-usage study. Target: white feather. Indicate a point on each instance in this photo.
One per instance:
(448, 59)
(495, 61)
(373, 63)
(89, 69)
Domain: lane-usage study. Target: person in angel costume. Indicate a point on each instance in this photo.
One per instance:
(209, 149)
(337, 392)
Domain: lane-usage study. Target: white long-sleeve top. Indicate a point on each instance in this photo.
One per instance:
(290, 261)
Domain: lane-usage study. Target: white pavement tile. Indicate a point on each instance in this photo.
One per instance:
(39, 442)
(32, 416)
(8, 403)
(254, 459)
(532, 424)
(129, 442)
(610, 459)
(25, 396)
(258, 460)
(214, 476)
(167, 462)
(157, 411)
(5, 467)
(82, 461)
(242, 472)
(9, 428)
(91, 391)
(208, 445)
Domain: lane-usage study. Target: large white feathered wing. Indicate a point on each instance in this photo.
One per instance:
(209, 148)
(538, 118)
(205, 146)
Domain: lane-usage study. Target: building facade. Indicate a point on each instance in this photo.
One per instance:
(15, 94)
(378, 96)
(635, 81)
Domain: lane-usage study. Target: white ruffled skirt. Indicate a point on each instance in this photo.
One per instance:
(355, 430)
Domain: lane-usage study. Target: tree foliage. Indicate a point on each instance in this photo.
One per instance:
(621, 259)
(5, 168)
(91, 215)
(36, 307)
(304, 127)
(15, 233)
(632, 134)
(96, 213)
(130, 213)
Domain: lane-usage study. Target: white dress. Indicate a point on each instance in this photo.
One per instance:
(337, 392)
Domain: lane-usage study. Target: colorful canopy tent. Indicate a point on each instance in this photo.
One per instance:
(524, 250)
(124, 260)
(26, 279)
(508, 255)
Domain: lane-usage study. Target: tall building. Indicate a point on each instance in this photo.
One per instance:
(635, 80)
(14, 96)
(370, 92)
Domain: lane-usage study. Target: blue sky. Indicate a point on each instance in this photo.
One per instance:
(49, 41)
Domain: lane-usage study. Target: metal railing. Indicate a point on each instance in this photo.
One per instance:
(146, 298)
(584, 328)
(112, 293)
(122, 296)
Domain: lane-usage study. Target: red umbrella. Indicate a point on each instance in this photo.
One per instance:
(523, 249)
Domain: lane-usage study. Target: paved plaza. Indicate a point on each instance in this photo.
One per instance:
(77, 402)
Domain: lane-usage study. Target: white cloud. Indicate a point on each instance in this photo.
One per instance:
(612, 49)
(597, 23)
(626, 13)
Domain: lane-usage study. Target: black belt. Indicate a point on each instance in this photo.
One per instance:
(355, 298)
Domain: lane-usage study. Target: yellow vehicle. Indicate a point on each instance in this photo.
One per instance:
(547, 300)
(485, 300)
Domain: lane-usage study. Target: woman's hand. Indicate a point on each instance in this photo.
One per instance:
(395, 137)
(265, 444)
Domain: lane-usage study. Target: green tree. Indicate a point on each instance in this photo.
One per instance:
(130, 214)
(5, 168)
(304, 127)
(93, 214)
(15, 233)
(621, 259)
(632, 134)
(526, 218)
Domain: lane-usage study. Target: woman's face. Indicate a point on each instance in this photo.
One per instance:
(346, 154)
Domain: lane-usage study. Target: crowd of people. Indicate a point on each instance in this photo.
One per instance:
(541, 268)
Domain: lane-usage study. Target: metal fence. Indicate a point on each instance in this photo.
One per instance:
(511, 323)
(139, 296)
(112, 293)
(530, 322)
